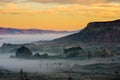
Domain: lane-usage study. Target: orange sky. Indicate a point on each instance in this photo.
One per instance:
(56, 14)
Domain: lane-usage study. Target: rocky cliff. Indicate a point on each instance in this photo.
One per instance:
(96, 32)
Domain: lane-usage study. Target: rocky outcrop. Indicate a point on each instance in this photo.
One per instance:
(96, 32)
(23, 52)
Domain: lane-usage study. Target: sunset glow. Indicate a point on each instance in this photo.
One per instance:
(56, 14)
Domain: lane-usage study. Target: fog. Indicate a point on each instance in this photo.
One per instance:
(41, 65)
(19, 39)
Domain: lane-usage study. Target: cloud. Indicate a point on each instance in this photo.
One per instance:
(11, 1)
(108, 5)
(66, 1)
(113, 0)
(106, 11)
(7, 1)
(11, 8)
(84, 2)
(97, 10)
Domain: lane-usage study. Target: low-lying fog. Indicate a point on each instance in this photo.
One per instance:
(43, 65)
(19, 39)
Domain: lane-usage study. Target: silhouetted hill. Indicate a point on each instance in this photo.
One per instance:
(96, 32)
(29, 31)
(23, 52)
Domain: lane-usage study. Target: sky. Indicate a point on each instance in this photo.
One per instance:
(56, 14)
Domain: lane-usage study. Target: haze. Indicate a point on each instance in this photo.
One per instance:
(42, 65)
(20, 39)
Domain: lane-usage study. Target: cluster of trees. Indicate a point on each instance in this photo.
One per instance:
(101, 52)
(37, 55)
(73, 52)
(24, 52)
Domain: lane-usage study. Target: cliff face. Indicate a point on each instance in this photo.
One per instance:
(97, 32)
(102, 32)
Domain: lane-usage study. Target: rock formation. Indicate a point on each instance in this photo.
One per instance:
(97, 33)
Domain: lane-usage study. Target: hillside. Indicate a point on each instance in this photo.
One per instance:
(30, 31)
(96, 37)
(96, 32)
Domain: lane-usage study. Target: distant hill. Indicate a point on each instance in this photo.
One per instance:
(97, 37)
(107, 32)
(30, 31)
